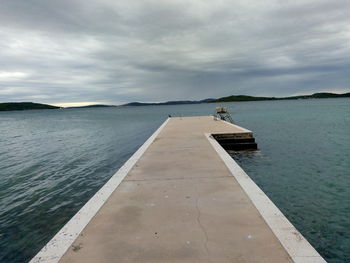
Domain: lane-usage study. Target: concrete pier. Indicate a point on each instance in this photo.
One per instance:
(180, 198)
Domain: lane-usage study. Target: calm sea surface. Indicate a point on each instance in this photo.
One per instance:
(53, 161)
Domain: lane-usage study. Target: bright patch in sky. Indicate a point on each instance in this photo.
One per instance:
(77, 104)
(10, 76)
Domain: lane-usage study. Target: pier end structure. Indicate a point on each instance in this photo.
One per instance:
(180, 198)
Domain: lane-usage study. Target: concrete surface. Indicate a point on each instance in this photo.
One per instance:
(179, 204)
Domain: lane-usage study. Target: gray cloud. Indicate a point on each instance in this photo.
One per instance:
(116, 51)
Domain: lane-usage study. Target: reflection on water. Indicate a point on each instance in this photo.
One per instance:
(53, 161)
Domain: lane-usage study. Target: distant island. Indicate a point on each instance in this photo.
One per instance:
(323, 95)
(91, 106)
(176, 102)
(242, 98)
(10, 106)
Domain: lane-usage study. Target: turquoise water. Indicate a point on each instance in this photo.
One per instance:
(304, 166)
(53, 161)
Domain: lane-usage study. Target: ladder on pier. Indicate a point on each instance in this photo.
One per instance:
(222, 113)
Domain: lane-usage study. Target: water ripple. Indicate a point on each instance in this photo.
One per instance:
(52, 162)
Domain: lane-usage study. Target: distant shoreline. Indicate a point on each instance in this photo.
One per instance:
(15, 106)
(324, 95)
(238, 98)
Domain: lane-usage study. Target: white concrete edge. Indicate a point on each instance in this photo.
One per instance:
(299, 249)
(54, 250)
(234, 125)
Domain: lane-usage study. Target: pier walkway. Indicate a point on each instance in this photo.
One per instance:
(181, 198)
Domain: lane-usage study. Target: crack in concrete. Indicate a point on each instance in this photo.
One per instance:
(201, 225)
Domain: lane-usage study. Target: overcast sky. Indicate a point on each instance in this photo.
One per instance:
(115, 51)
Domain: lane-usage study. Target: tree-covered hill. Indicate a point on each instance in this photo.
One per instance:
(9, 106)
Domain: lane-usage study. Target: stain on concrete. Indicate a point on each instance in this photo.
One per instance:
(76, 248)
(128, 215)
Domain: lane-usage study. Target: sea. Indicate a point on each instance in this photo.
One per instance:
(53, 161)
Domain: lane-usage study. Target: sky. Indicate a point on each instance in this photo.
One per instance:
(78, 52)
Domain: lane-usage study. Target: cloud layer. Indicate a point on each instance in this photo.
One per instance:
(74, 51)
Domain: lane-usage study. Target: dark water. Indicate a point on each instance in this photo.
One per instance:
(53, 161)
